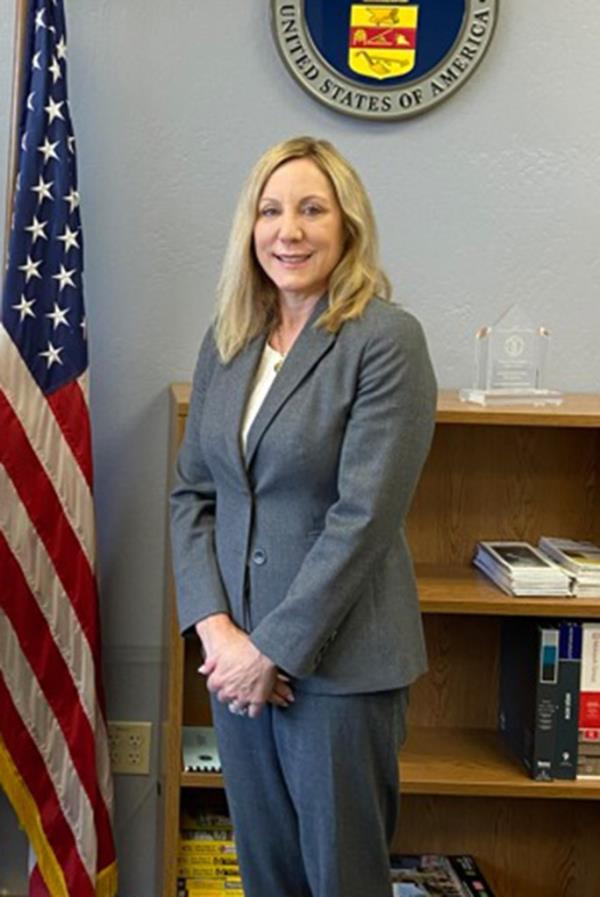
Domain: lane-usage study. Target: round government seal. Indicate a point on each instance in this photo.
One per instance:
(383, 60)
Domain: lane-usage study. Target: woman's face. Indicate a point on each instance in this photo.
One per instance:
(298, 235)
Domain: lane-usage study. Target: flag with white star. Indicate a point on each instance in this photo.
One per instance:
(54, 760)
(42, 305)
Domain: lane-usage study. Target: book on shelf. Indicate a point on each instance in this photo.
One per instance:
(588, 764)
(220, 862)
(519, 568)
(527, 709)
(206, 857)
(437, 875)
(567, 710)
(580, 559)
(199, 887)
(207, 872)
(199, 749)
(192, 845)
(205, 826)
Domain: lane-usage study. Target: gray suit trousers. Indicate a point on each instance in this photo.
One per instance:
(313, 791)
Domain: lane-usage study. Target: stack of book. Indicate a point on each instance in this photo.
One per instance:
(519, 568)
(432, 875)
(581, 561)
(207, 860)
(549, 704)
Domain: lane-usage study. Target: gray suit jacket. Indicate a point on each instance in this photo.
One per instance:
(302, 541)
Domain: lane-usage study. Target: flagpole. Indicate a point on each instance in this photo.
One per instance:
(21, 7)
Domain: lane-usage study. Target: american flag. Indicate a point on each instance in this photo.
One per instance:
(54, 762)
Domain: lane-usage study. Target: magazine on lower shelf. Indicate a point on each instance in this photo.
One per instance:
(437, 875)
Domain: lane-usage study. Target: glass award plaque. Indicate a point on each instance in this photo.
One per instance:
(510, 363)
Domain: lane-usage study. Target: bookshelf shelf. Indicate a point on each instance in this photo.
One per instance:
(475, 762)
(464, 590)
(454, 761)
(577, 410)
(201, 780)
(493, 473)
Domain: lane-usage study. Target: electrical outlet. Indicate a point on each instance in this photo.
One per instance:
(129, 747)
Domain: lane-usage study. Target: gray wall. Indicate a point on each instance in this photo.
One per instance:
(490, 198)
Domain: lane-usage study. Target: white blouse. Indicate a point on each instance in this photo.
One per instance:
(266, 372)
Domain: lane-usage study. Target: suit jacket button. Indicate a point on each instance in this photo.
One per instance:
(259, 557)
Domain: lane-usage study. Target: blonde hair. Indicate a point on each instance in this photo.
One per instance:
(247, 298)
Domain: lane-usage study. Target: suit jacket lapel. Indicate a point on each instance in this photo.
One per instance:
(309, 347)
(238, 385)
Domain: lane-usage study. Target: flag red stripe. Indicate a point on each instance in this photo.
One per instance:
(70, 410)
(30, 764)
(37, 887)
(55, 681)
(45, 511)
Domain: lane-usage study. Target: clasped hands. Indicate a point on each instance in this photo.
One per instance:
(236, 671)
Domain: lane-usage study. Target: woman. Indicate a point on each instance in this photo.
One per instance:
(311, 416)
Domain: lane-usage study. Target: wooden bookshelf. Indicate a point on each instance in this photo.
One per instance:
(493, 473)
(469, 762)
(576, 410)
(474, 762)
(201, 780)
(464, 590)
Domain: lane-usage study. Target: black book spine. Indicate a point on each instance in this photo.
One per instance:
(528, 683)
(567, 713)
(547, 701)
(471, 877)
